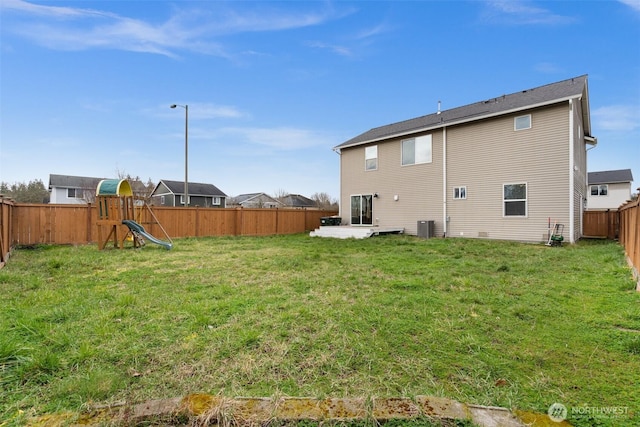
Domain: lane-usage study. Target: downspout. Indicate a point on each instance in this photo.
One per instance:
(571, 176)
(339, 153)
(444, 181)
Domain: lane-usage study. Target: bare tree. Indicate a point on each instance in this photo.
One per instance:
(141, 191)
(324, 201)
(87, 190)
(280, 195)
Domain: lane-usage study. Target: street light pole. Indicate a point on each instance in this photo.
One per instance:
(186, 152)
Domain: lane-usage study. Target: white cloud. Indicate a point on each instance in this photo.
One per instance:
(521, 12)
(281, 138)
(340, 50)
(199, 111)
(69, 28)
(211, 111)
(353, 43)
(51, 11)
(548, 68)
(371, 32)
(617, 117)
(634, 4)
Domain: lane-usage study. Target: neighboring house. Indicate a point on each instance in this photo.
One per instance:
(171, 193)
(256, 200)
(609, 189)
(298, 201)
(499, 169)
(67, 189)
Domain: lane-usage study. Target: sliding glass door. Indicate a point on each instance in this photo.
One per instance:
(362, 209)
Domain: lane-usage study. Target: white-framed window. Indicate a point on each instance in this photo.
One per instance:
(514, 199)
(371, 158)
(522, 122)
(215, 201)
(162, 200)
(182, 199)
(600, 190)
(74, 193)
(416, 150)
(460, 193)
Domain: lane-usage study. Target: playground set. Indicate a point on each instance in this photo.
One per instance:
(116, 217)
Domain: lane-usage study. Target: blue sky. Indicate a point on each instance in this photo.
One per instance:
(272, 87)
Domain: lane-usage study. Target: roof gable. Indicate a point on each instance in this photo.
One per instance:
(298, 201)
(195, 188)
(255, 198)
(244, 197)
(610, 177)
(70, 181)
(544, 95)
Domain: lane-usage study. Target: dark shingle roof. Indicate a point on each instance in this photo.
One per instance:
(69, 181)
(539, 96)
(298, 201)
(610, 177)
(195, 188)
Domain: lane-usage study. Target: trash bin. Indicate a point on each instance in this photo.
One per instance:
(330, 220)
(426, 229)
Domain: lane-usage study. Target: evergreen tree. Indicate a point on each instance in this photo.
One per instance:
(32, 192)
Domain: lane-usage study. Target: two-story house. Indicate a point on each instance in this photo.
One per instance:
(75, 190)
(502, 168)
(609, 189)
(171, 193)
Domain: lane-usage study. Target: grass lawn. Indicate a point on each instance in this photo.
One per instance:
(492, 323)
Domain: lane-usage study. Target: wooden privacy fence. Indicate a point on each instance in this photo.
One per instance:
(77, 224)
(630, 233)
(6, 213)
(603, 224)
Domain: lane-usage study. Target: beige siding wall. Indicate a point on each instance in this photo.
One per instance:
(579, 170)
(481, 156)
(486, 155)
(418, 187)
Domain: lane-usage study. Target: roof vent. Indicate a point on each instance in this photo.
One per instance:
(439, 105)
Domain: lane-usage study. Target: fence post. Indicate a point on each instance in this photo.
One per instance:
(197, 232)
(89, 240)
(238, 231)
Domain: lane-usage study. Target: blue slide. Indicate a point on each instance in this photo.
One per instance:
(137, 228)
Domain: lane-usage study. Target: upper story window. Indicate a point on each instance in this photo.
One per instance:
(522, 122)
(599, 190)
(74, 193)
(514, 200)
(371, 157)
(416, 150)
(459, 193)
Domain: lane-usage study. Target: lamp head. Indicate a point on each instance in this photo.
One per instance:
(173, 106)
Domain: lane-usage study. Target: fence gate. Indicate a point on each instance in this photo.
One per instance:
(601, 224)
